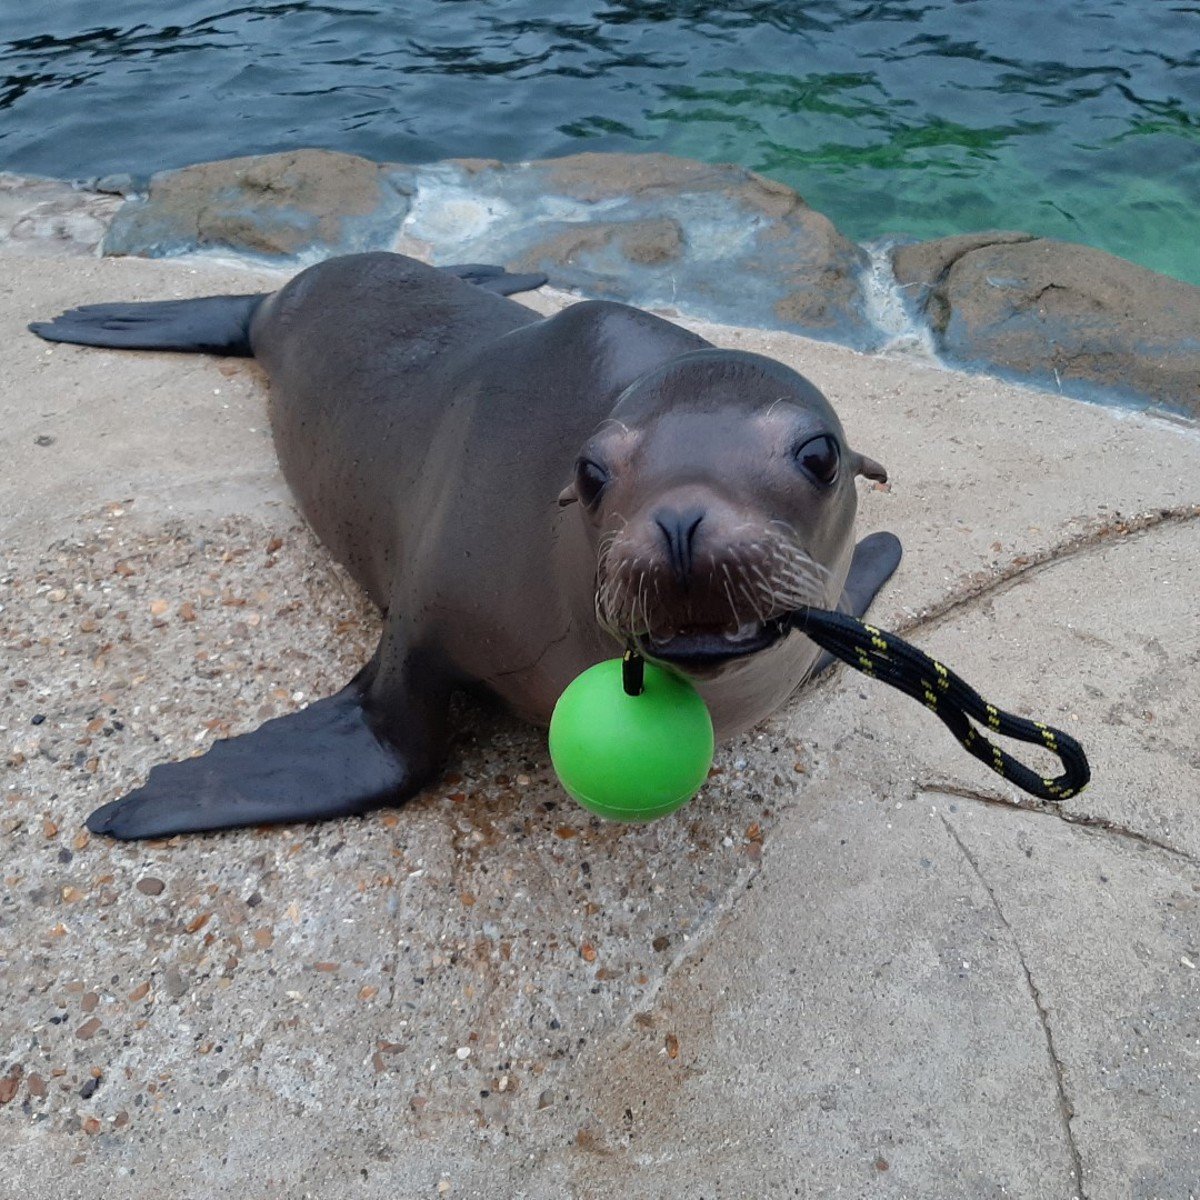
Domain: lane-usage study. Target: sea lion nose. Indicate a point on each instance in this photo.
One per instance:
(679, 530)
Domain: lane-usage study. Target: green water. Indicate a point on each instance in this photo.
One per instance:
(880, 169)
(1078, 120)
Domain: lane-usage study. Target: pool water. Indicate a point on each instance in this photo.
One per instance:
(1077, 119)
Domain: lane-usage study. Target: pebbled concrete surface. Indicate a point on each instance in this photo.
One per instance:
(854, 966)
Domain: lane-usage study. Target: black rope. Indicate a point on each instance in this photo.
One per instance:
(886, 657)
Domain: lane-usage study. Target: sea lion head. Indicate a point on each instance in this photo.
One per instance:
(719, 495)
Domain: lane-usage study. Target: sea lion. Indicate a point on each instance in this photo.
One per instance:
(520, 497)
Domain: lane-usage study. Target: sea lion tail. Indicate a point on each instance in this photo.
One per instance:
(209, 325)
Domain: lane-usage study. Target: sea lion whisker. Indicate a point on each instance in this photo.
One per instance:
(640, 604)
(769, 589)
(794, 550)
(804, 587)
(801, 566)
(746, 591)
(790, 586)
(735, 615)
(753, 602)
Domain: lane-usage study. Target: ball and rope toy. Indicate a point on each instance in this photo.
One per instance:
(632, 742)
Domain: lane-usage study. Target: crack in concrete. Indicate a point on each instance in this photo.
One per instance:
(1065, 1107)
(1045, 809)
(1100, 533)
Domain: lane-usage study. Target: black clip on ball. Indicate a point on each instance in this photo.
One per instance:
(633, 672)
(896, 662)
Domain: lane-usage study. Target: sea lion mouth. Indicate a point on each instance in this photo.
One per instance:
(700, 647)
(729, 607)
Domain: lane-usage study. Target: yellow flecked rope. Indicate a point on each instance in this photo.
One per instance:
(894, 661)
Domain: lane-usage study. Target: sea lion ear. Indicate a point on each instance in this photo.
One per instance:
(568, 495)
(870, 468)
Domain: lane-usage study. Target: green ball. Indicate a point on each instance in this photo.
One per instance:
(631, 758)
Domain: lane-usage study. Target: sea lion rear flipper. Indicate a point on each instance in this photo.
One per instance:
(335, 758)
(875, 560)
(215, 324)
(206, 325)
(496, 279)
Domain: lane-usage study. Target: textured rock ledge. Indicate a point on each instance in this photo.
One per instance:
(46, 217)
(1057, 314)
(671, 234)
(651, 229)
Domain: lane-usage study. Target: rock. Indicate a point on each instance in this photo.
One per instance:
(761, 232)
(44, 217)
(175, 982)
(1061, 315)
(648, 242)
(273, 205)
(666, 234)
(26, 747)
(652, 230)
(924, 264)
(595, 178)
(604, 249)
(121, 184)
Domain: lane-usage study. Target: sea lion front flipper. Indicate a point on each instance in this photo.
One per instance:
(875, 561)
(367, 746)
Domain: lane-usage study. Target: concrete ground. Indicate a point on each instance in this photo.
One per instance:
(858, 965)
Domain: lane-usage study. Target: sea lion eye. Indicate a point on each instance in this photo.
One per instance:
(819, 458)
(590, 481)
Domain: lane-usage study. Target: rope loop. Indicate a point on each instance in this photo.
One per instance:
(888, 658)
